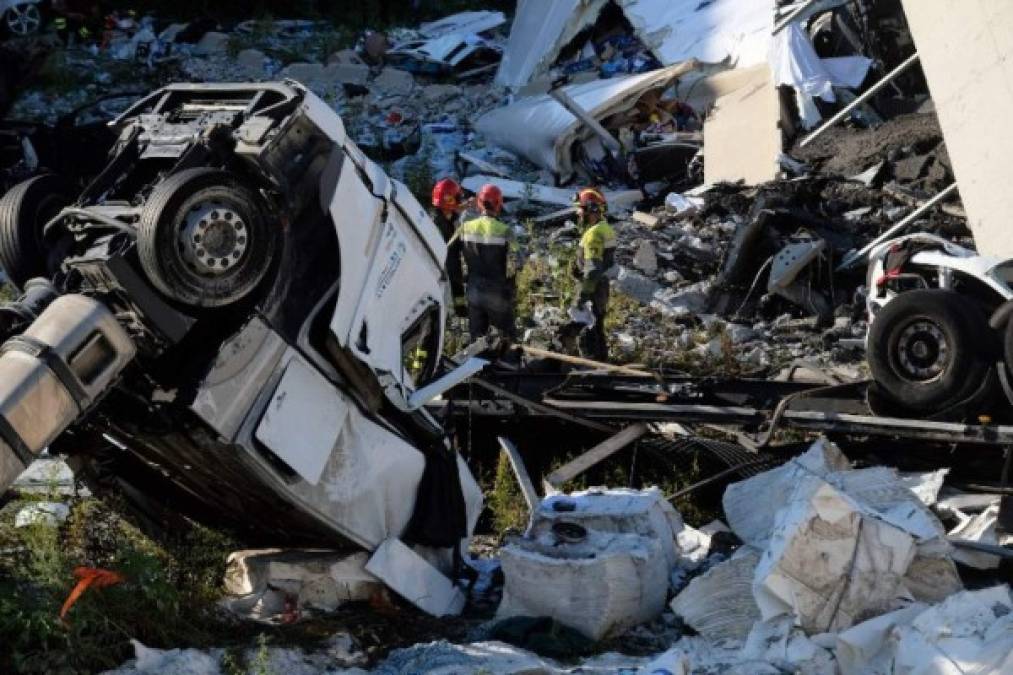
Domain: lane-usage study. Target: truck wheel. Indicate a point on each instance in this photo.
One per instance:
(929, 349)
(24, 210)
(1008, 346)
(203, 238)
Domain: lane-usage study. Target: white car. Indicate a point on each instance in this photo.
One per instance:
(938, 316)
(231, 321)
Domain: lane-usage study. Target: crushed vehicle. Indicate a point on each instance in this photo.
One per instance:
(230, 321)
(939, 322)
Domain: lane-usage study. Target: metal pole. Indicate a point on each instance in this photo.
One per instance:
(565, 100)
(872, 91)
(856, 256)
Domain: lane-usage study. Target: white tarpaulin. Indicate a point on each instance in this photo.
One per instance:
(540, 129)
(540, 29)
(795, 63)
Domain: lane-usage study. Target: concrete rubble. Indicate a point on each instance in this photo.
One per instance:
(732, 221)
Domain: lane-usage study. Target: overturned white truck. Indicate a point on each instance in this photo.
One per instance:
(230, 322)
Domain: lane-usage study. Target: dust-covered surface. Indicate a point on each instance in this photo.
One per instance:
(823, 566)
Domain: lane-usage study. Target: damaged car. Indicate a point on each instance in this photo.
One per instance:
(231, 321)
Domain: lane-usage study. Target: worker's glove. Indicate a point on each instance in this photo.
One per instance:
(461, 307)
(582, 314)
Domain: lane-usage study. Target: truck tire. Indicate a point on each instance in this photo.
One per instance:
(930, 349)
(204, 239)
(24, 210)
(1008, 346)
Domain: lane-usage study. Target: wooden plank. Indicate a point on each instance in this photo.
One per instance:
(520, 472)
(603, 450)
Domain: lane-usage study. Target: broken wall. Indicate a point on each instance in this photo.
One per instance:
(965, 51)
(742, 136)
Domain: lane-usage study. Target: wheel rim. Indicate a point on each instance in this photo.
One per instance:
(214, 239)
(24, 19)
(923, 351)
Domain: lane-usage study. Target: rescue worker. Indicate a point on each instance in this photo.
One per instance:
(595, 255)
(448, 203)
(489, 253)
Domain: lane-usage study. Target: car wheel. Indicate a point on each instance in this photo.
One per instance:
(203, 238)
(24, 19)
(930, 349)
(24, 210)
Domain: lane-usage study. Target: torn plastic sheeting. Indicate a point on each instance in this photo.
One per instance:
(540, 129)
(980, 528)
(925, 486)
(968, 633)
(719, 603)
(780, 643)
(715, 31)
(829, 563)
(541, 28)
(864, 649)
(464, 22)
(794, 62)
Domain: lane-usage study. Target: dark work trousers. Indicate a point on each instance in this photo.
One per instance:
(490, 304)
(594, 343)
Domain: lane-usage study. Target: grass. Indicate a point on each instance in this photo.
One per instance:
(167, 598)
(509, 510)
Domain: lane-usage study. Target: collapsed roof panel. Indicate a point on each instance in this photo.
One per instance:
(540, 129)
(966, 60)
(712, 31)
(540, 30)
(465, 22)
(737, 32)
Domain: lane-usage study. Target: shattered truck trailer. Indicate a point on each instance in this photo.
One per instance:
(230, 321)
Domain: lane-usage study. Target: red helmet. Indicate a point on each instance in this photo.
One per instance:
(589, 196)
(490, 198)
(446, 194)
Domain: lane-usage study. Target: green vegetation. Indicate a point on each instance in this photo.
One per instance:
(166, 599)
(509, 510)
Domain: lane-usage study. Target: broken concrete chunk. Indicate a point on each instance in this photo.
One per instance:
(251, 59)
(347, 57)
(393, 81)
(636, 285)
(346, 73)
(719, 603)
(410, 576)
(42, 513)
(645, 259)
(304, 72)
(212, 43)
